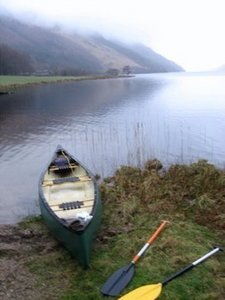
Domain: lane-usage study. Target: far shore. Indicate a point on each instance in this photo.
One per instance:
(9, 83)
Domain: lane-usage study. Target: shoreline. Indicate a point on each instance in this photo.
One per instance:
(8, 83)
(33, 265)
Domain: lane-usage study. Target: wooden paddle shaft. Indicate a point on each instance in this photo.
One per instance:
(149, 242)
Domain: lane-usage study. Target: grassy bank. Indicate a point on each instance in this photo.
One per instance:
(10, 83)
(135, 201)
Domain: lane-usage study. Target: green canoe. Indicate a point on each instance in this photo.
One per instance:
(70, 204)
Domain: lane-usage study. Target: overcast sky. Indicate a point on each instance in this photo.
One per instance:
(189, 32)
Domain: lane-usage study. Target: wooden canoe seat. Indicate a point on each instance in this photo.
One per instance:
(62, 162)
(71, 205)
(69, 208)
(61, 168)
(70, 179)
(65, 179)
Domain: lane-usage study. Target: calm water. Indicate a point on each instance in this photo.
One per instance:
(177, 118)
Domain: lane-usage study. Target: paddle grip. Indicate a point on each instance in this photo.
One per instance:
(206, 256)
(149, 242)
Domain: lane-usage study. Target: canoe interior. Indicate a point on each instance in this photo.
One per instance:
(69, 191)
(70, 205)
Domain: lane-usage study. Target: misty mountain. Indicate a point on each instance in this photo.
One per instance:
(55, 49)
(145, 58)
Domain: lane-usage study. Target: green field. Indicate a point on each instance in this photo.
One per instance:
(9, 83)
(135, 201)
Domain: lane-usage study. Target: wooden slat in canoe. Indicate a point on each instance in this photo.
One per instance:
(66, 179)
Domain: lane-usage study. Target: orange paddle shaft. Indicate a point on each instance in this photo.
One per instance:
(149, 242)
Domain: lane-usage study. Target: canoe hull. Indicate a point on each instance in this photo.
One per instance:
(78, 243)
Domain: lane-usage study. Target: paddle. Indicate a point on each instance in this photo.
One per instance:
(120, 278)
(152, 291)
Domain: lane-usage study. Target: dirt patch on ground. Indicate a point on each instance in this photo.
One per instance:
(18, 247)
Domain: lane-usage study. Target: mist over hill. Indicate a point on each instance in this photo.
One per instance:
(55, 49)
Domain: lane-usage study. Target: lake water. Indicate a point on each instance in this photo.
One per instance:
(176, 118)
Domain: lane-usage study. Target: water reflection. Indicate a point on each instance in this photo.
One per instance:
(106, 123)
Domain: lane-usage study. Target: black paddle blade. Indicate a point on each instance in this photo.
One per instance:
(118, 281)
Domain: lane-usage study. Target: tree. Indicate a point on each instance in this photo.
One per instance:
(126, 70)
(13, 62)
(112, 72)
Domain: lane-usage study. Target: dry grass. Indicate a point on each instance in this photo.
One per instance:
(196, 192)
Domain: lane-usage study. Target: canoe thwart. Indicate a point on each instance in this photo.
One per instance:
(65, 179)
